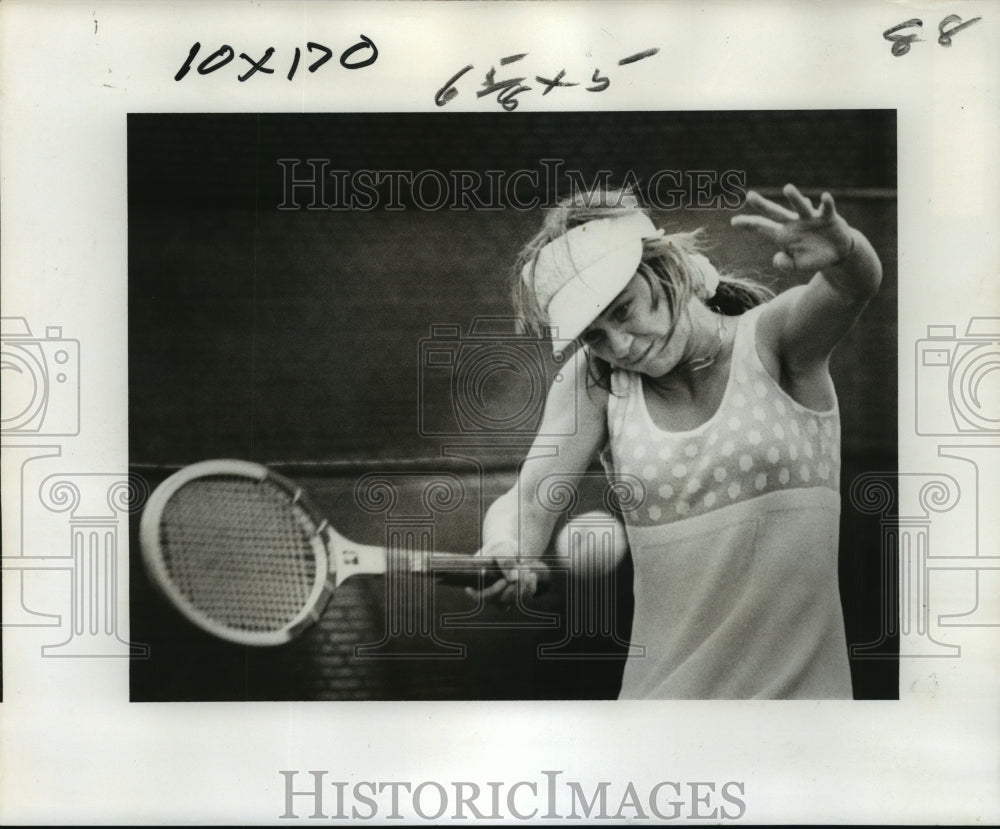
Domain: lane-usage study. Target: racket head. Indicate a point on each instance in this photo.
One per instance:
(238, 550)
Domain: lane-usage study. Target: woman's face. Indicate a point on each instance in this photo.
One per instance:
(636, 331)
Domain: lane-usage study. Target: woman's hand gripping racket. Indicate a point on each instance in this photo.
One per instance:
(241, 553)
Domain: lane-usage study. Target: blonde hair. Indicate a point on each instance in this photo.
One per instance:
(668, 260)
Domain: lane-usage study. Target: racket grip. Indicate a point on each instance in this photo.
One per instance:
(456, 568)
(473, 570)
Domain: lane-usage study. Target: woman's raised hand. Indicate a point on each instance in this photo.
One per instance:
(808, 238)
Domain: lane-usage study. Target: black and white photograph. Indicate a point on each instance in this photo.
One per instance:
(401, 316)
(515, 412)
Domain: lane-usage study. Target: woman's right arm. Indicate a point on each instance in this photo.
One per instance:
(516, 526)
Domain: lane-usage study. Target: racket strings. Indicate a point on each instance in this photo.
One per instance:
(237, 551)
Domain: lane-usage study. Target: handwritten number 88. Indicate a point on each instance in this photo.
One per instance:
(947, 28)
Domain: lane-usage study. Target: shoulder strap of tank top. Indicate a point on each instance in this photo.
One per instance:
(744, 343)
(621, 400)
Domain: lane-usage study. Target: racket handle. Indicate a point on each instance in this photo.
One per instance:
(459, 568)
(465, 569)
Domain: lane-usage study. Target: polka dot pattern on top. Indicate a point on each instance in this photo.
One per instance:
(759, 441)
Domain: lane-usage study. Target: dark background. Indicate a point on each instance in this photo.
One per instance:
(293, 338)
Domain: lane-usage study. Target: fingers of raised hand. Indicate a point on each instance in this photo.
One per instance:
(802, 206)
(827, 209)
(766, 227)
(770, 209)
(783, 261)
(772, 220)
(783, 225)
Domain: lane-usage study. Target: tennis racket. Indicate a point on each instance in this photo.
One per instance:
(240, 551)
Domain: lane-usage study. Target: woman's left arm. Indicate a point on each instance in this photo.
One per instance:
(808, 321)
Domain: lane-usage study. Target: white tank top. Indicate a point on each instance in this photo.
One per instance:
(734, 542)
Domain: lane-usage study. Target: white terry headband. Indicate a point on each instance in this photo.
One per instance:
(576, 276)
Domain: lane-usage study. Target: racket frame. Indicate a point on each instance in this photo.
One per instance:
(337, 557)
(321, 540)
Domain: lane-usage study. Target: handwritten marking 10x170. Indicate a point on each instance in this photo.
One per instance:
(361, 54)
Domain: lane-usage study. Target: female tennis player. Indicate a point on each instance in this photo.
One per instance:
(715, 398)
